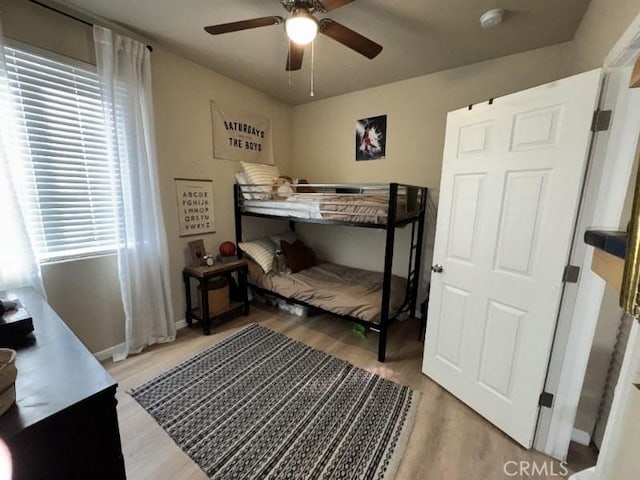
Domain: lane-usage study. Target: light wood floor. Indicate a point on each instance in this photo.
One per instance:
(449, 441)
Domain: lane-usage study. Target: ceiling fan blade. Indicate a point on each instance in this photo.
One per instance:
(294, 58)
(243, 25)
(349, 38)
(329, 5)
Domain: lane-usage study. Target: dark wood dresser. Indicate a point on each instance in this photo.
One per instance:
(64, 423)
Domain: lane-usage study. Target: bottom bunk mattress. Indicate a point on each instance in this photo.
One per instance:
(335, 288)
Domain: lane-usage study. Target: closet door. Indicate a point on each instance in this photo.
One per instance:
(511, 182)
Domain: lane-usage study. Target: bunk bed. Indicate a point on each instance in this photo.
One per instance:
(377, 206)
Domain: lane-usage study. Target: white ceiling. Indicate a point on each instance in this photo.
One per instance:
(419, 37)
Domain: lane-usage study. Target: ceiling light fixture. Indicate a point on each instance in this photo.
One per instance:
(301, 27)
(491, 18)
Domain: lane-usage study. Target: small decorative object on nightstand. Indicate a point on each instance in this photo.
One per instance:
(196, 248)
(205, 276)
(227, 252)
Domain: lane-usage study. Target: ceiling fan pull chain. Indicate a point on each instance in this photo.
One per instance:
(289, 61)
(313, 55)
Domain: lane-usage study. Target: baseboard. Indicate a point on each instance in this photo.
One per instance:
(581, 437)
(107, 353)
(587, 474)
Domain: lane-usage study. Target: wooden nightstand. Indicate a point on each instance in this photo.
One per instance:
(204, 275)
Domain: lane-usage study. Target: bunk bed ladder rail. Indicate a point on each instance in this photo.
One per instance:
(415, 255)
(388, 267)
(237, 206)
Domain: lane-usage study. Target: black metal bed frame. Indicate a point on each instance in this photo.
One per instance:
(417, 222)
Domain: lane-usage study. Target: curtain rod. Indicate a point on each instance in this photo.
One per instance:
(72, 17)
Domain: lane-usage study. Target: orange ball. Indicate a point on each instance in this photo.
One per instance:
(227, 249)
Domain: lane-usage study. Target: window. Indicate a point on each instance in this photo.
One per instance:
(70, 188)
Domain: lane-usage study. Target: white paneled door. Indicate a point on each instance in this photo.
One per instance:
(509, 194)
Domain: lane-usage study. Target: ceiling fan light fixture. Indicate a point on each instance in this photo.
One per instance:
(301, 27)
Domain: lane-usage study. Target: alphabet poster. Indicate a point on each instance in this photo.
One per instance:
(242, 136)
(195, 206)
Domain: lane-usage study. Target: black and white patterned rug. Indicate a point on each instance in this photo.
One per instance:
(259, 405)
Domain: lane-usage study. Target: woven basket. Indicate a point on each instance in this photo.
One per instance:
(8, 374)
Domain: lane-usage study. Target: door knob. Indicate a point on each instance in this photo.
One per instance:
(437, 268)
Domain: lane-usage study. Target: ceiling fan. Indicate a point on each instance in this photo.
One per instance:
(302, 27)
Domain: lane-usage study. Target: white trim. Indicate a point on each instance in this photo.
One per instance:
(625, 50)
(587, 474)
(180, 324)
(570, 295)
(621, 398)
(616, 149)
(613, 163)
(107, 353)
(581, 437)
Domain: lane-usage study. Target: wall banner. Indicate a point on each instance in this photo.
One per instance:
(242, 136)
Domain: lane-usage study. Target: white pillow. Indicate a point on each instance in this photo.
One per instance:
(288, 236)
(241, 179)
(262, 251)
(260, 174)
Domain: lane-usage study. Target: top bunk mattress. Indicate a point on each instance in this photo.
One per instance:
(344, 208)
(336, 288)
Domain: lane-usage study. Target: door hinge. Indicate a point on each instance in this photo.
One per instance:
(601, 120)
(546, 399)
(571, 274)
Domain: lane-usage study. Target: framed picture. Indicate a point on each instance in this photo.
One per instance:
(195, 206)
(371, 138)
(197, 252)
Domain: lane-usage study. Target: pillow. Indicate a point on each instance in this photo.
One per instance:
(259, 174)
(288, 236)
(304, 181)
(298, 255)
(241, 179)
(262, 251)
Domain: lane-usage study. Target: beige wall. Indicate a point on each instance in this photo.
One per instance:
(34, 25)
(323, 149)
(315, 141)
(182, 91)
(416, 109)
(85, 293)
(603, 24)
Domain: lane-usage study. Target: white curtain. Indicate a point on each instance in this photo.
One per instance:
(124, 70)
(18, 265)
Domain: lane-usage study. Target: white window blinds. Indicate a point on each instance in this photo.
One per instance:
(70, 186)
